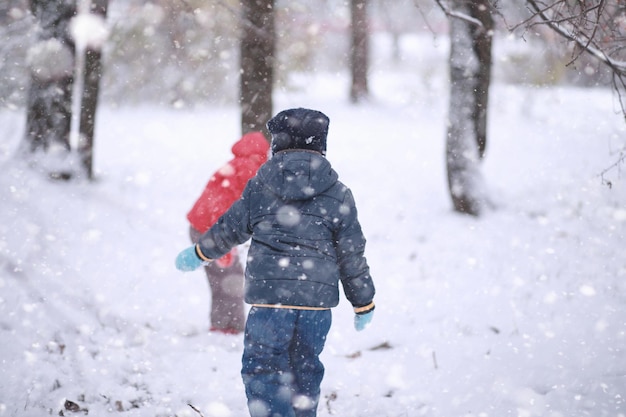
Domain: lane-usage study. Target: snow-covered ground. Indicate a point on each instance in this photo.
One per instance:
(521, 312)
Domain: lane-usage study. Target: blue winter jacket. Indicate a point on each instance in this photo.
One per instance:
(306, 237)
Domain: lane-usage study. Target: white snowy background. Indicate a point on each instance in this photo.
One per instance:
(521, 312)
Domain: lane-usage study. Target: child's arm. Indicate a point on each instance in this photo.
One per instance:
(355, 274)
(230, 230)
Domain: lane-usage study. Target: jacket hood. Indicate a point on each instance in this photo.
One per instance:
(297, 174)
(253, 143)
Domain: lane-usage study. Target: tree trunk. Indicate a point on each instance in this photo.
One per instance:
(89, 98)
(49, 106)
(257, 65)
(359, 51)
(482, 39)
(470, 66)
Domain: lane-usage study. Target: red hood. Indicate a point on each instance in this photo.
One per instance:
(253, 143)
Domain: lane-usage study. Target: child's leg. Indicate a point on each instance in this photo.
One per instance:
(227, 308)
(310, 335)
(226, 284)
(265, 364)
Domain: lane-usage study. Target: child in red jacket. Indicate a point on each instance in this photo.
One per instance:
(224, 188)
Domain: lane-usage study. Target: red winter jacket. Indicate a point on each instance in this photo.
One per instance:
(227, 184)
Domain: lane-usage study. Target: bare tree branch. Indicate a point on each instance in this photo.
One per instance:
(454, 14)
(616, 165)
(576, 25)
(617, 66)
(196, 410)
(430, 28)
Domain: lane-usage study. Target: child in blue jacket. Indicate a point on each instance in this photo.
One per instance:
(306, 239)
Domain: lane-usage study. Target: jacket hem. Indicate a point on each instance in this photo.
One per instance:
(289, 307)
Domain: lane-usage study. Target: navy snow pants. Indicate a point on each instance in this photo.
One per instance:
(281, 369)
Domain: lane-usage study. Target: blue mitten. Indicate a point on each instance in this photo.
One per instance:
(362, 320)
(188, 260)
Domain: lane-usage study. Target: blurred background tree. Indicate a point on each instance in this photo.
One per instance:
(92, 74)
(51, 62)
(182, 53)
(256, 73)
(186, 53)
